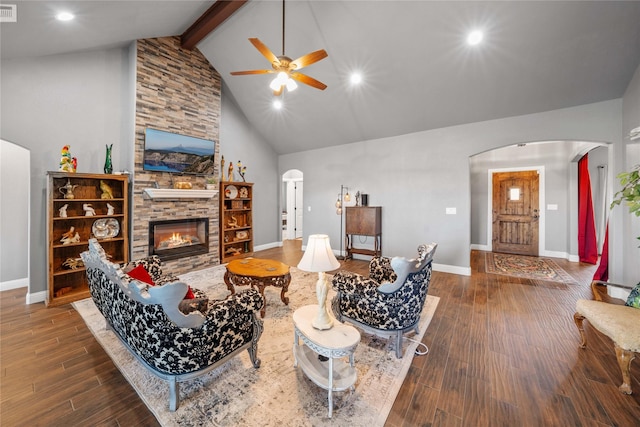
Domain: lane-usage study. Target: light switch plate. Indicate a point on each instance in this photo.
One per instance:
(451, 211)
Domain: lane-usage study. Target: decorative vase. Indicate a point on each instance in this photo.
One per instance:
(108, 167)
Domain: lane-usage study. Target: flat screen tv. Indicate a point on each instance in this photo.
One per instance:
(175, 153)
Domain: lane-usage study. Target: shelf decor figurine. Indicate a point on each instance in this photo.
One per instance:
(67, 190)
(66, 161)
(70, 236)
(63, 210)
(88, 209)
(108, 166)
(222, 179)
(241, 170)
(110, 209)
(107, 192)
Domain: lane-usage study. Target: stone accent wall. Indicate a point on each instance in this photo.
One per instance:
(176, 91)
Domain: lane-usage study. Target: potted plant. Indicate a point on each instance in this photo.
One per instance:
(630, 192)
(211, 183)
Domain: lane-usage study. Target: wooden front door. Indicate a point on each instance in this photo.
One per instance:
(515, 212)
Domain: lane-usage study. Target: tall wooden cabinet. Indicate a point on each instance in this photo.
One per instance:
(363, 221)
(82, 206)
(236, 220)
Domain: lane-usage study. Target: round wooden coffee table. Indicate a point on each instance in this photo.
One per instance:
(259, 273)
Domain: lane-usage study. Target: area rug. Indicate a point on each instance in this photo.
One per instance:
(527, 267)
(276, 394)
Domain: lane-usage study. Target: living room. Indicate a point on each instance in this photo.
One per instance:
(88, 99)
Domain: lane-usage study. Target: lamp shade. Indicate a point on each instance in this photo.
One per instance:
(318, 257)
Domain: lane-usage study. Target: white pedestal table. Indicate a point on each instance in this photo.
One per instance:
(336, 343)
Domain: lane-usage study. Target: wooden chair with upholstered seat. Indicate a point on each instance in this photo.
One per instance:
(619, 322)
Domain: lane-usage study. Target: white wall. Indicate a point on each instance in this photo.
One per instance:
(14, 216)
(78, 99)
(415, 177)
(629, 155)
(239, 141)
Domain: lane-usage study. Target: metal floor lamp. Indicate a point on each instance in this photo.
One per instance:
(339, 211)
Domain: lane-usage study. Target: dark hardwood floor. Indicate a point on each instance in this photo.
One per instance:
(503, 352)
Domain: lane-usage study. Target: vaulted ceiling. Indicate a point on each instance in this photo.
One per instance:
(418, 72)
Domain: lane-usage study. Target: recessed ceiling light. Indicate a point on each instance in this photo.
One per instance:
(277, 104)
(65, 16)
(356, 78)
(475, 37)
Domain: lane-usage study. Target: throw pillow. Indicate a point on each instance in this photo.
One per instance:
(140, 273)
(186, 306)
(634, 297)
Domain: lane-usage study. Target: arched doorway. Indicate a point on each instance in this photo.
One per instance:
(292, 206)
(557, 200)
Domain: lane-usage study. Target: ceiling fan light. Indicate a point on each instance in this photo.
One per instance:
(291, 85)
(280, 80)
(275, 85)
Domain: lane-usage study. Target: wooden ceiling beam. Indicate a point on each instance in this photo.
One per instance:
(209, 21)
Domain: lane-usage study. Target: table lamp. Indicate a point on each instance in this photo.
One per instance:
(318, 257)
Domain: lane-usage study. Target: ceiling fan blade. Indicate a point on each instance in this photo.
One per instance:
(264, 50)
(244, 73)
(303, 78)
(308, 59)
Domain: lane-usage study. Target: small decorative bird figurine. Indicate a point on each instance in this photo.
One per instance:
(241, 170)
(107, 192)
(74, 163)
(66, 161)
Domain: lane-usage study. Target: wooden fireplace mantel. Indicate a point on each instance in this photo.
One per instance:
(174, 193)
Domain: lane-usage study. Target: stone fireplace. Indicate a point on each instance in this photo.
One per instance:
(178, 238)
(177, 90)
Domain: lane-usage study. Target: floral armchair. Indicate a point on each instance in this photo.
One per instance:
(388, 303)
(173, 342)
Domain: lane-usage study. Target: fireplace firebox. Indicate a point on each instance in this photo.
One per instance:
(179, 238)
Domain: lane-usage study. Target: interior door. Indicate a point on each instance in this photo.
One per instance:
(299, 210)
(515, 212)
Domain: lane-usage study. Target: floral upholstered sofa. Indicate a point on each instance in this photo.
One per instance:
(148, 319)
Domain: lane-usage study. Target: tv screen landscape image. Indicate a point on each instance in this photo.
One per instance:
(175, 153)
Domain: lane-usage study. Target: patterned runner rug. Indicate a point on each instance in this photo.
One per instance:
(527, 267)
(276, 394)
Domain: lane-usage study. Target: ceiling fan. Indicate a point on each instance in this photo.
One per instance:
(285, 67)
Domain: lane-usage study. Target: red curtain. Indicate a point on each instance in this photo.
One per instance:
(602, 273)
(587, 239)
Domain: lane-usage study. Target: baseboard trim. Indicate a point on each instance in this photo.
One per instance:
(14, 284)
(453, 269)
(267, 246)
(35, 297)
(480, 247)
